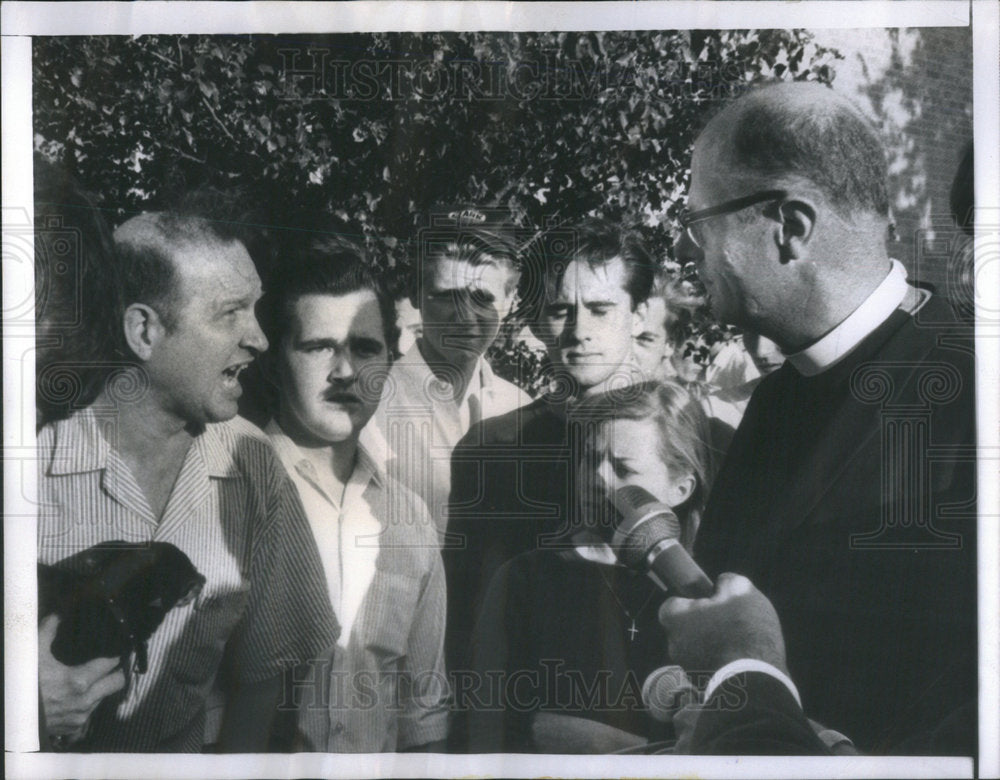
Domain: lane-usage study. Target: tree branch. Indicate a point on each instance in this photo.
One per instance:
(182, 153)
(165, 59)
(217, 120)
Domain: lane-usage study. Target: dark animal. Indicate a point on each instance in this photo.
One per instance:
(110, 598)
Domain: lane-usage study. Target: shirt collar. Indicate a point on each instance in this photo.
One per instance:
(367, 468)
(482, 374)
(836, 344)
(481, 382)
(217, 449)
(79, 445)
(81, 448)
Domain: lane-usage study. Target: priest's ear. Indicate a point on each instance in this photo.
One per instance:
(144, 329)
(796, 218)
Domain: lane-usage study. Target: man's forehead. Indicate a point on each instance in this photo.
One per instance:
(708, 170)
(322, 315)
(450, 272)
(590, 280)
(219, 268)
(656, 314)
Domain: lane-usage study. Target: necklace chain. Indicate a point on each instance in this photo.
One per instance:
(631, 630)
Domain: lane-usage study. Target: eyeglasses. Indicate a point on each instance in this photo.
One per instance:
(689, 218)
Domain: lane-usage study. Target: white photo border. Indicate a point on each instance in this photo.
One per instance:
(21, 20)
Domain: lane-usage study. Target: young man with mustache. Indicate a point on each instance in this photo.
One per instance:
(382, 685)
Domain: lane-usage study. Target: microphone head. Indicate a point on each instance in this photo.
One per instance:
(666, 691)
(644, 523)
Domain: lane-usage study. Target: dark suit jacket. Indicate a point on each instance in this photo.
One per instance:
(849, 500)
(511, 492)
(754, 714)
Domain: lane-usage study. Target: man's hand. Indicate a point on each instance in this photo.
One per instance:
(737, 621)
(70, 694)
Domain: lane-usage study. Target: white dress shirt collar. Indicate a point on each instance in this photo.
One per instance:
(369, 466)
(838, 343)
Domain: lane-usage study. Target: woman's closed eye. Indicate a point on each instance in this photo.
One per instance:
(622, 468)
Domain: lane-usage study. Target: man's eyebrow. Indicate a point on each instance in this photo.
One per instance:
(318, 341)
(240, 300)
(600, 302)
(365, 341)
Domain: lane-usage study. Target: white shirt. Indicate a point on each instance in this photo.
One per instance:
(384, 686)
(346, 531)
(420, 424)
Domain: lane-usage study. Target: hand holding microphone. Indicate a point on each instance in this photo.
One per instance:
(735, 622)
(708, 625)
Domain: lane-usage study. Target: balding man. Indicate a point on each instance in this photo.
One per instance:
(847, 497)
(158, 457)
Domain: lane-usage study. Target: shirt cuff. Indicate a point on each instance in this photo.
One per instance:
(422, 729)
(750, 665)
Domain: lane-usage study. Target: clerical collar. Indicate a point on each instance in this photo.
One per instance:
(835, 345)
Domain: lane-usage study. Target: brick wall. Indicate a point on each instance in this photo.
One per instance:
(917, 85)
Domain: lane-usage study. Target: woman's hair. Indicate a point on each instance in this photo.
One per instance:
(684, 444)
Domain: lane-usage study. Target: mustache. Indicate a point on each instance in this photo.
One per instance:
(365, 386)
(342, 394)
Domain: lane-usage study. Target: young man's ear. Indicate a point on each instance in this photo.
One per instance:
(143, 329)
(639, 318)
(797, 219)
(512, 301)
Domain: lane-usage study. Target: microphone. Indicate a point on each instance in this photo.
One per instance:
(647, 538)
(666, 691)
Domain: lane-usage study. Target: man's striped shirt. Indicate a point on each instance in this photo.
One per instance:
(234, 512)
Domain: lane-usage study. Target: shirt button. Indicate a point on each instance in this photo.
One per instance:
(339, 728)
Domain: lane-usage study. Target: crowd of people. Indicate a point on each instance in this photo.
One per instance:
(405, 551)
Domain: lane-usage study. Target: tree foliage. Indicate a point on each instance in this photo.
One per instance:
(377, 128)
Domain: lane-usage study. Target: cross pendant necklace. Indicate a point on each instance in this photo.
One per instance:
(631, 630)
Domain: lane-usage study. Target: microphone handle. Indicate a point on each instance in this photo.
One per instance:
(673, 570)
